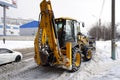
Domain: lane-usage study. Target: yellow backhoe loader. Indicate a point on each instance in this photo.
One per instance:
(59, 41)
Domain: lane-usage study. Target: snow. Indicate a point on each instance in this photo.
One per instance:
(105, 48)
(110, 69)
(112, 74)
(16, 44)
(101, 67)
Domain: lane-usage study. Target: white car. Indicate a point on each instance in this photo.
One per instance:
(7, 56)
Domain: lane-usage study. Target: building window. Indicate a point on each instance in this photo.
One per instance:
(15, 28)
(8, 27)
(1, 26)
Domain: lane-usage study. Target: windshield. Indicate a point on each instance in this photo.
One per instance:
(69, 29)
(59, 25)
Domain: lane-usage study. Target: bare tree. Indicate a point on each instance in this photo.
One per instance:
(102, 32)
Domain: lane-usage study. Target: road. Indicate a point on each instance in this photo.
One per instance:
(27, 52)
(27, 69)
(36, 72)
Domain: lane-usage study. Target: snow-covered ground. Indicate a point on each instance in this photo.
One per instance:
(109, 69)
(101, 67)
(16, 44)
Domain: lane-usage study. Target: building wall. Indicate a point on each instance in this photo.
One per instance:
(28, 31)
(13, 25)
(16, 21)
(10, 29)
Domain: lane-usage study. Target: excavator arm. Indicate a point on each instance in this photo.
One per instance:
(47, 33)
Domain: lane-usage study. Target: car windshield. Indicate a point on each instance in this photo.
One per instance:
(5, 51)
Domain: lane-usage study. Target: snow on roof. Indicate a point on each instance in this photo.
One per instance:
(33, 24)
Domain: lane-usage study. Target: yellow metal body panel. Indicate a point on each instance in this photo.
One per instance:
(78, 59)
(36, 48)
(82, 40)
(44, 36)
(69, 53)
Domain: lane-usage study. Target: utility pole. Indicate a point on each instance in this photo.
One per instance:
(113, 55)
(5, 4)
(4, 20)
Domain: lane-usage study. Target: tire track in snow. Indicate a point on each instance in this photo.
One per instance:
(28, 55)
(9, 70)
(39, 73)
(28, 70)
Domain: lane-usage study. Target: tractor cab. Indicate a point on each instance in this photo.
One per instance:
(67, 30)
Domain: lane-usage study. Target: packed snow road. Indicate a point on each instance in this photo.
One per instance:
(28, 70)
(27, 52)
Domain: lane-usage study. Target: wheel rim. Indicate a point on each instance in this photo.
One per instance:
(89, 54)
(77, 59)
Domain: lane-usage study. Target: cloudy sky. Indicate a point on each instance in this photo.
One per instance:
(87, 11)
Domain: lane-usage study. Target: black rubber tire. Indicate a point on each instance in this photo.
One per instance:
(74, 67)
(18, 58)
(86, 58)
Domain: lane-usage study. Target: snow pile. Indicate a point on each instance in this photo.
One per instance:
(16, 44)
(105, 48)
